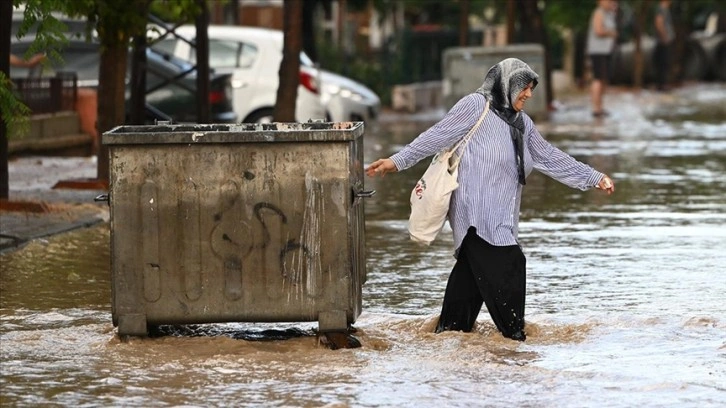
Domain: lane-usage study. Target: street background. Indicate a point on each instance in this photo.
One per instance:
(624, 299)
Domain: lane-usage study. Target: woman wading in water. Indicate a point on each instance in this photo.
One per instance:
(484, 211)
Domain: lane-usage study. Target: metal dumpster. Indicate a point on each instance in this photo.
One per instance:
(236, 223)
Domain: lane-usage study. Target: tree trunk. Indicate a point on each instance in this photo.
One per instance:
(340, 23)
(464, 23)
(6, 15)
(137, 104)
(680, 11)
(114, 34)
(231, 11)
(202, 23)
(533, 30)
(111, 101)
(308, 29)
(511, 16)
(290, 66)
(638, 63)
(138, 70)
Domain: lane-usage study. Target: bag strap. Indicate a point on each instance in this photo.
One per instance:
(465, 140)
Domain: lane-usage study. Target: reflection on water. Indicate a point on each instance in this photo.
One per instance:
(625, 300)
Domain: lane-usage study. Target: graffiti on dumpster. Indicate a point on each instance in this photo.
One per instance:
(238, 242)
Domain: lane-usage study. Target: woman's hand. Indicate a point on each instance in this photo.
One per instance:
(381, 167)
(606, 184)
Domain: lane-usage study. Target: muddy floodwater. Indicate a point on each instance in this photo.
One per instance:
(626, 295)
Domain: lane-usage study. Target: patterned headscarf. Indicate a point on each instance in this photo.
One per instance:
(502, 85)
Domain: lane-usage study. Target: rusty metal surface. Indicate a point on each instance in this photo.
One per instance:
(235, 229)
(234, 133)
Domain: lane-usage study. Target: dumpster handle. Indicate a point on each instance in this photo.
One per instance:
(102, 197)
(365, 194)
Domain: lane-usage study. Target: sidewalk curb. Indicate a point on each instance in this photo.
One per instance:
(19, 228)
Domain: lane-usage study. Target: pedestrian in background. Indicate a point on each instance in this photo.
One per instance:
(484, 211)
(665, 34)
(601, 38)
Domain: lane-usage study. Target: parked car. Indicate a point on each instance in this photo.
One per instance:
(254, 65)
(345, 99)
(254, 56)
(165, 99)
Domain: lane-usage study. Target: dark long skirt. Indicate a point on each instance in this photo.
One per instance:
(493, 275)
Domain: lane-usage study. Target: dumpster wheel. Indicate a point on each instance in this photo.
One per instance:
(335, 340)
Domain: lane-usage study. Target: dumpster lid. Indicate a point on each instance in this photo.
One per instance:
(234, 133)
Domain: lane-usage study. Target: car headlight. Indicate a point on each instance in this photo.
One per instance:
(332, 89)
(344, 92)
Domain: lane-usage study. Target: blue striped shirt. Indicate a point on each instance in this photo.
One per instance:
(489, 194)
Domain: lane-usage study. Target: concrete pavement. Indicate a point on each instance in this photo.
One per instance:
(36, 209)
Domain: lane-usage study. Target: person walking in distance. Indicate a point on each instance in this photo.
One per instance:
(665, 35)
(601, 38)
(484, 209)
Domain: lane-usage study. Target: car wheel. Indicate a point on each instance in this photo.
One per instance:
(261, 116)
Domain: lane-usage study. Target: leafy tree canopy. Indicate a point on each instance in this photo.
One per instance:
(112, 22)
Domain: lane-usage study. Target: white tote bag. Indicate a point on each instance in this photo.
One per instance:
(431, 196)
